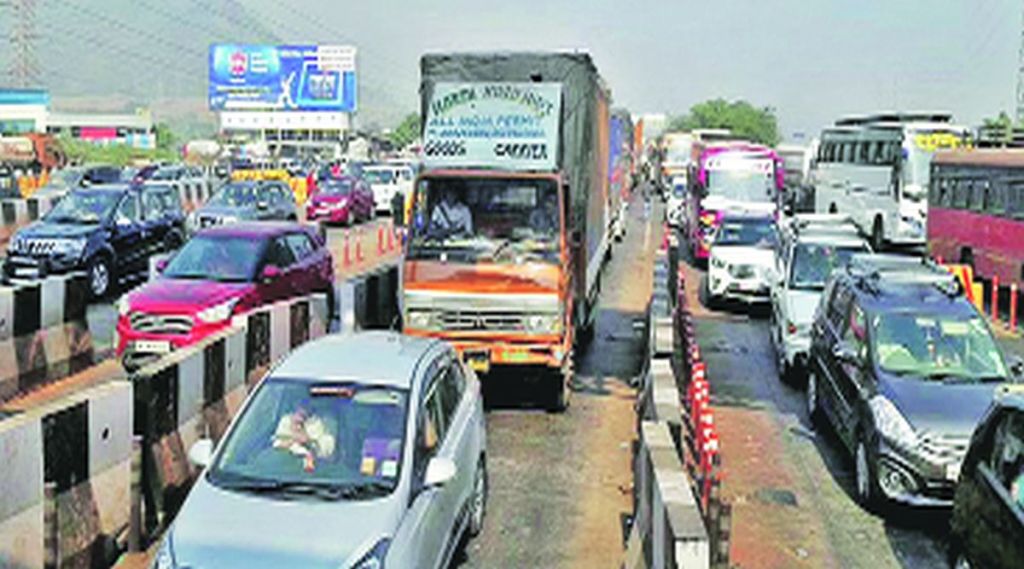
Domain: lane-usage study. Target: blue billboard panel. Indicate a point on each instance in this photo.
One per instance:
(282, 78)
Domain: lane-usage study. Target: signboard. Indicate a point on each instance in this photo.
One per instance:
(282, 78)
(511, 126)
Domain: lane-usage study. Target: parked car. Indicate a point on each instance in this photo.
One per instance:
(987, 525)
(741, 258)
(61, 182)
(902, 367)
(341, 200)
(810, 248)
(361, 451)
(108, 231)
(386, 180)
(220, 272)
(250, 200)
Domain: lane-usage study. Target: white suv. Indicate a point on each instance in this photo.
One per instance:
(741, 258)
(810, 247)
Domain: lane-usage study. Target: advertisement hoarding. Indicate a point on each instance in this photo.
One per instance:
(282, 78)
(511, 126)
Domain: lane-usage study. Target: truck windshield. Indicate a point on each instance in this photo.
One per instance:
(486, 219)
(918, 158)
(741, 185)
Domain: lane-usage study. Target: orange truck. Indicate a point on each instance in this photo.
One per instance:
(509, 228)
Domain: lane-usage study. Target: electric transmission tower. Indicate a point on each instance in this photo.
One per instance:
(23, 70)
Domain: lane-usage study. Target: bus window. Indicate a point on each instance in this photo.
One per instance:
(1015, 200)
(995, 199)
(977, 199)
(935, 190)
(961, 193)
(862, 152)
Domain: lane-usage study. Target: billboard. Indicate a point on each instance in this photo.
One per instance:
(282, 78)
(512, 126)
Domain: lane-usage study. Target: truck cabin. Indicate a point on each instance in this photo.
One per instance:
(485, 216)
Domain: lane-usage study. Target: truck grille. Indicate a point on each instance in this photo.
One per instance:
(479, 320)
(160, 323)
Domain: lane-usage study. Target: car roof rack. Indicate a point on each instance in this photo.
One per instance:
(870, 270)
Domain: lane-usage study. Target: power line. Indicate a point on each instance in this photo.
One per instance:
(156, 38)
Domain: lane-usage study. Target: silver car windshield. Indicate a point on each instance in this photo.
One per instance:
(814, 262)
(936, 347)
(343, 437)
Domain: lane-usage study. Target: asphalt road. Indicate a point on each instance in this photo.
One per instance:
(790, 482)
(561, 483)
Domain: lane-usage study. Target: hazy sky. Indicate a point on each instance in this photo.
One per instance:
(812, 60)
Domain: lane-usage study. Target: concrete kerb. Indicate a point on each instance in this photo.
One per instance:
(81, 443)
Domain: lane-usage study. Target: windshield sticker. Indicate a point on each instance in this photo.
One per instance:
(368, 466)
(389, 468)
(377, 397)
(954, 328)
(376, 453)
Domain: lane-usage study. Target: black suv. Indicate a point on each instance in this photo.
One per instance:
(109, 231)
(902, 366)
(988, 510)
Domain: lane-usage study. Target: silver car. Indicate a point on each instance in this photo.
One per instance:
(357, 451)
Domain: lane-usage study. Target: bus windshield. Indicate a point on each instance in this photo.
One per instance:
(741, 185)
(486, 219)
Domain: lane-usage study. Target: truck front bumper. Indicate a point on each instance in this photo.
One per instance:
(482, 354)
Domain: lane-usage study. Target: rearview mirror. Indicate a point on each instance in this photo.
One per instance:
(439, 472)
(270, 273)
(200, 453)
(844, 353)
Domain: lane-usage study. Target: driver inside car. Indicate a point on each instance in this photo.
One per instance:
(304, 434)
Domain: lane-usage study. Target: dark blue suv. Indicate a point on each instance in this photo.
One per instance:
(902, 366)
(108, 231)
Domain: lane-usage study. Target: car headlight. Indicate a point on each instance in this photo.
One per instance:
(164, 558)
(374, 559)
(891, 423)
(70, 247)
(419, 319)
(218, 313)
(123, 306)
(542, 322)
(717, 263)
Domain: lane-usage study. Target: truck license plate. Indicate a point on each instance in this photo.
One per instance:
(153, 346)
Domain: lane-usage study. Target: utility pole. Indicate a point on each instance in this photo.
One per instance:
(23, 70)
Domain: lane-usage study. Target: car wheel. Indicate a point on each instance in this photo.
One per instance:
(100, 275)
(811, 398)
(478, 500)
(558, 384)
(877, 235)
(710, 300)
(866, 485)
(785, 370)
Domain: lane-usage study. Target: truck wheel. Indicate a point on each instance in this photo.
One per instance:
(558, 386)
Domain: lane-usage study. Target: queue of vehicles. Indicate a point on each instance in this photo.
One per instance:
(891, 354)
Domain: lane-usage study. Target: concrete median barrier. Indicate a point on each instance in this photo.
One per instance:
(80, 446)
(44, 335)
(193, 393)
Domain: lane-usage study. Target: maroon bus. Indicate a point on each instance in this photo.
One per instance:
(976, 211)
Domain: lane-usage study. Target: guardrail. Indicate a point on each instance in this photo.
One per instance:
(1001, 299)
(44, 335)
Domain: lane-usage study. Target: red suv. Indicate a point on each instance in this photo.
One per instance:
(220, 272)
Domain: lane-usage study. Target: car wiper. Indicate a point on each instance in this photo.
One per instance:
(372, 488)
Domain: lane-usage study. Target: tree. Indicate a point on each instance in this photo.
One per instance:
(165, 138)
(406, 132)
(999, 129)
(743, 119)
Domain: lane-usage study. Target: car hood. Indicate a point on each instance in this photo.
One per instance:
(801, 305)
(42, 229)
(745, 254)
(188, 295)
(481, 278)
(228, 211)
(226, 529)
(949, 409)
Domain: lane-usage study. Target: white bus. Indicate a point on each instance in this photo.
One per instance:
(875, 169)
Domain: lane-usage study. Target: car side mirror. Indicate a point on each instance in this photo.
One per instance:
(439, 472)
(201, 453)
(270, 273)
(844, 353)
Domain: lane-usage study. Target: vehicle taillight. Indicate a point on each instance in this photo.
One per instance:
(791, 328)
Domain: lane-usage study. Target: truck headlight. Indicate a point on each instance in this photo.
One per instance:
(891, 424)
(542, 322)
(218, 313)
(419, 319)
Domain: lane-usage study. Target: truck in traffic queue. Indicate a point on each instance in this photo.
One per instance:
(510, 218)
